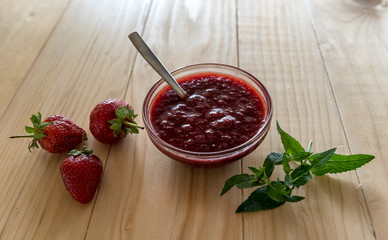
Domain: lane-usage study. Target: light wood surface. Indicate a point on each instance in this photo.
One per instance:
(324, 63)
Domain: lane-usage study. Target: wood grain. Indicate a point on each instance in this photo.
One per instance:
(24, 29)
(156, 197)
(278, 44)
(355, 52)
(84, 61)
(324, 63)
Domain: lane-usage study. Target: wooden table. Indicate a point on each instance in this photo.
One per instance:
(323, 61)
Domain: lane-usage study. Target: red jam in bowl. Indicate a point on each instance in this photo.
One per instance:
(226, 116)
(220, 113)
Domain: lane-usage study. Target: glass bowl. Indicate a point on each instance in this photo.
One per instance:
(217, 158)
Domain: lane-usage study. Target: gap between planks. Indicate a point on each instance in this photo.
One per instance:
(125, 93)
(360, 190)
(238, 65)
(6, 109)
(36, 57)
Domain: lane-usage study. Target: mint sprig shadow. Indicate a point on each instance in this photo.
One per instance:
(271, 194)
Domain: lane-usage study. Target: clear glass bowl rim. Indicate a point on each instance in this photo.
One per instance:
(260, 133)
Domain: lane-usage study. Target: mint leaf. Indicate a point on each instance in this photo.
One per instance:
(258, 200)
(286, 164)
(278, 191)
(258, 172)
(301, 156)
(291, 146)
(342, 163)
(254, 181)
(276, 158)
(320, 159)
(237, 179)
(248, 184)
(288, 180)
(294, 198)
(270, 161)
(301, 175)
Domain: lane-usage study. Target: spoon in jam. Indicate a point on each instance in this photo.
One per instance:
(155, 63)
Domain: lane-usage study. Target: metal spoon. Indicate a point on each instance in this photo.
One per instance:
(155, 63)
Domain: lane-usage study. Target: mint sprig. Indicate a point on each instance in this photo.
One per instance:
(274, 193)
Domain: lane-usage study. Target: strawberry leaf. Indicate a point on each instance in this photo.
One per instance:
(124, 123)
(33, 144)
(35, 131)
(29, 129)
(39, 136)
(83, 151)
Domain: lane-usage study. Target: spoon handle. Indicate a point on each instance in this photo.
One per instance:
(151, 58)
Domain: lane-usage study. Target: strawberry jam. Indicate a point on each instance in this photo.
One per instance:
(220, 113)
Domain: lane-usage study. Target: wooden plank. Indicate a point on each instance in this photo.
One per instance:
(353, 39)
(25, 26)
(146, 194)
(278, 45)
(86, 60)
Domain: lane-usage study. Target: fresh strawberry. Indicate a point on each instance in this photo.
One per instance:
(55, 134)
(111, 120)
(81, 173)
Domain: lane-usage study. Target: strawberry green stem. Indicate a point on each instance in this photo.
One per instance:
(129, 124)
(22, 136)
(125, 117)
(84, 150)
(35, 130)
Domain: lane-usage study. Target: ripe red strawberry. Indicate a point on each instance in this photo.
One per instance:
(55, 134)
(111, 120)
(81, 173)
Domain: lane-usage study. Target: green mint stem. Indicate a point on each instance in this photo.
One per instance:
(310, 145)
